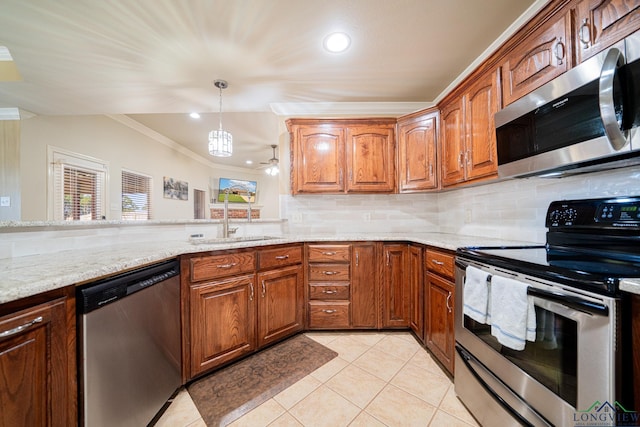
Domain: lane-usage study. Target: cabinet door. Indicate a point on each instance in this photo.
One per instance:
(452, 143)
(364, 307)
(371, 159)
(280, 304)
(223, 322)
(440, 335)
(417, 154)
(318, 159)
(395, 287)
(602, 23)
(34, 371)
(481, 103)
(416, 320)
(544, 55)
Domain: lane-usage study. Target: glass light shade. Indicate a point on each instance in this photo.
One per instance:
(220, 143)
(272, 170)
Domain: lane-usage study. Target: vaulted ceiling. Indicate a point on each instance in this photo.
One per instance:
(155, 60)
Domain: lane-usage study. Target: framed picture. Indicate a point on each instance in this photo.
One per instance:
(240, 191)
(174, 189)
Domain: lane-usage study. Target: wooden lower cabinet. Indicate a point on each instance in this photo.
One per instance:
(439, 325)
(236, 302)
(37, 366)
(222, 322)
(364, 289)
(280, 304)
(416, 285)
(395, 286)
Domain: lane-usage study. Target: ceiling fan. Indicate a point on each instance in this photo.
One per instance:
(273, 168)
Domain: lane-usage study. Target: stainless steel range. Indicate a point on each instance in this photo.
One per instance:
(541, 331)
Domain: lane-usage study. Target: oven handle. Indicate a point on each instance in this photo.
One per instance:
(466, 359)
(576, 303)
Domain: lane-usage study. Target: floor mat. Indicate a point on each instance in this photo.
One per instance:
(231, 392)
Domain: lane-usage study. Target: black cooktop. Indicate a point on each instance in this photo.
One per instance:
(591, 244)
(593, 271)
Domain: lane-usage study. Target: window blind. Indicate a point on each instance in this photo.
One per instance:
(78, 193)
(136, 196)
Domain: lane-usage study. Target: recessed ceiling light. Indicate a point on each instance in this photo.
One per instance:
(337, 42)
(249, 162)
(194, 115)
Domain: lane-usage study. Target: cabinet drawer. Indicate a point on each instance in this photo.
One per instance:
(329, 253)
(328, 291)
(328, 314)
(279, 257)
(440, 262)
(212, 266)
(326, 272)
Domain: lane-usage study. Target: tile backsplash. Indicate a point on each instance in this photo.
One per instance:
(513, 209)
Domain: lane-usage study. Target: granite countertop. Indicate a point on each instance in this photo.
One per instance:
(26, 276)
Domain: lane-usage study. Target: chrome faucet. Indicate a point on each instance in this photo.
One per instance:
(225, 219)
(249, 207)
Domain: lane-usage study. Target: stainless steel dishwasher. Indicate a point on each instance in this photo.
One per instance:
(130, 345)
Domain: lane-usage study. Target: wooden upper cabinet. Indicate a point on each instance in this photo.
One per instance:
(318, 153)
(601, 23)
(342, 156)
(468, 138)
(417, 167)
(452, 136)
(541, 57)
(371, 158)
(481, 103)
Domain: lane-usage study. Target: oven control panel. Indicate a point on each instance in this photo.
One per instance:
(622, 212)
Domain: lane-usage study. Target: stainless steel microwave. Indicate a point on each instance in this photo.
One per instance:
(584, 120)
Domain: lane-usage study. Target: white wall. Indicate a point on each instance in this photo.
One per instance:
(121, 146)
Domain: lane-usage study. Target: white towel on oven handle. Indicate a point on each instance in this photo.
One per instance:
(513, 315)
(475, 296)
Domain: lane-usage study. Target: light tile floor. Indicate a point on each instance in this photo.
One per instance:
(378, 379)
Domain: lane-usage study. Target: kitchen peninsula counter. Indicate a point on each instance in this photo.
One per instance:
(25, 276)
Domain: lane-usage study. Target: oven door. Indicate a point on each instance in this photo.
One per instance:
(570, 366)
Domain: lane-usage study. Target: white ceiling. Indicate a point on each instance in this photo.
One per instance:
(156, 60)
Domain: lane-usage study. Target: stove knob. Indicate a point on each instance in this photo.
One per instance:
(555, 216)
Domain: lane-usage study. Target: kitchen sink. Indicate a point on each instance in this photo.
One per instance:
(216, 240)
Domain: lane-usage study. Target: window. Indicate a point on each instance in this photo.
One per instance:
(136, 196)
(77, 189)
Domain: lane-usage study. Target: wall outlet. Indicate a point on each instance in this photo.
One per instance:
(467, 216)
(296, 217)
(5, 201)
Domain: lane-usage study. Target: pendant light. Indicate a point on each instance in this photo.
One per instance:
(220, 141)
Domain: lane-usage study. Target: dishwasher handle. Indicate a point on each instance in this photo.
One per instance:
(98, 294)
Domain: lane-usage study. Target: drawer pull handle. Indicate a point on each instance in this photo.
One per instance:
(447, 302)
(21, 327)
(329, 273)
(282, 257)
(264, 289)
(328, 253)
(329, 291)
(329, 311)
(251, 294)
(233, 264)
(436, 262)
